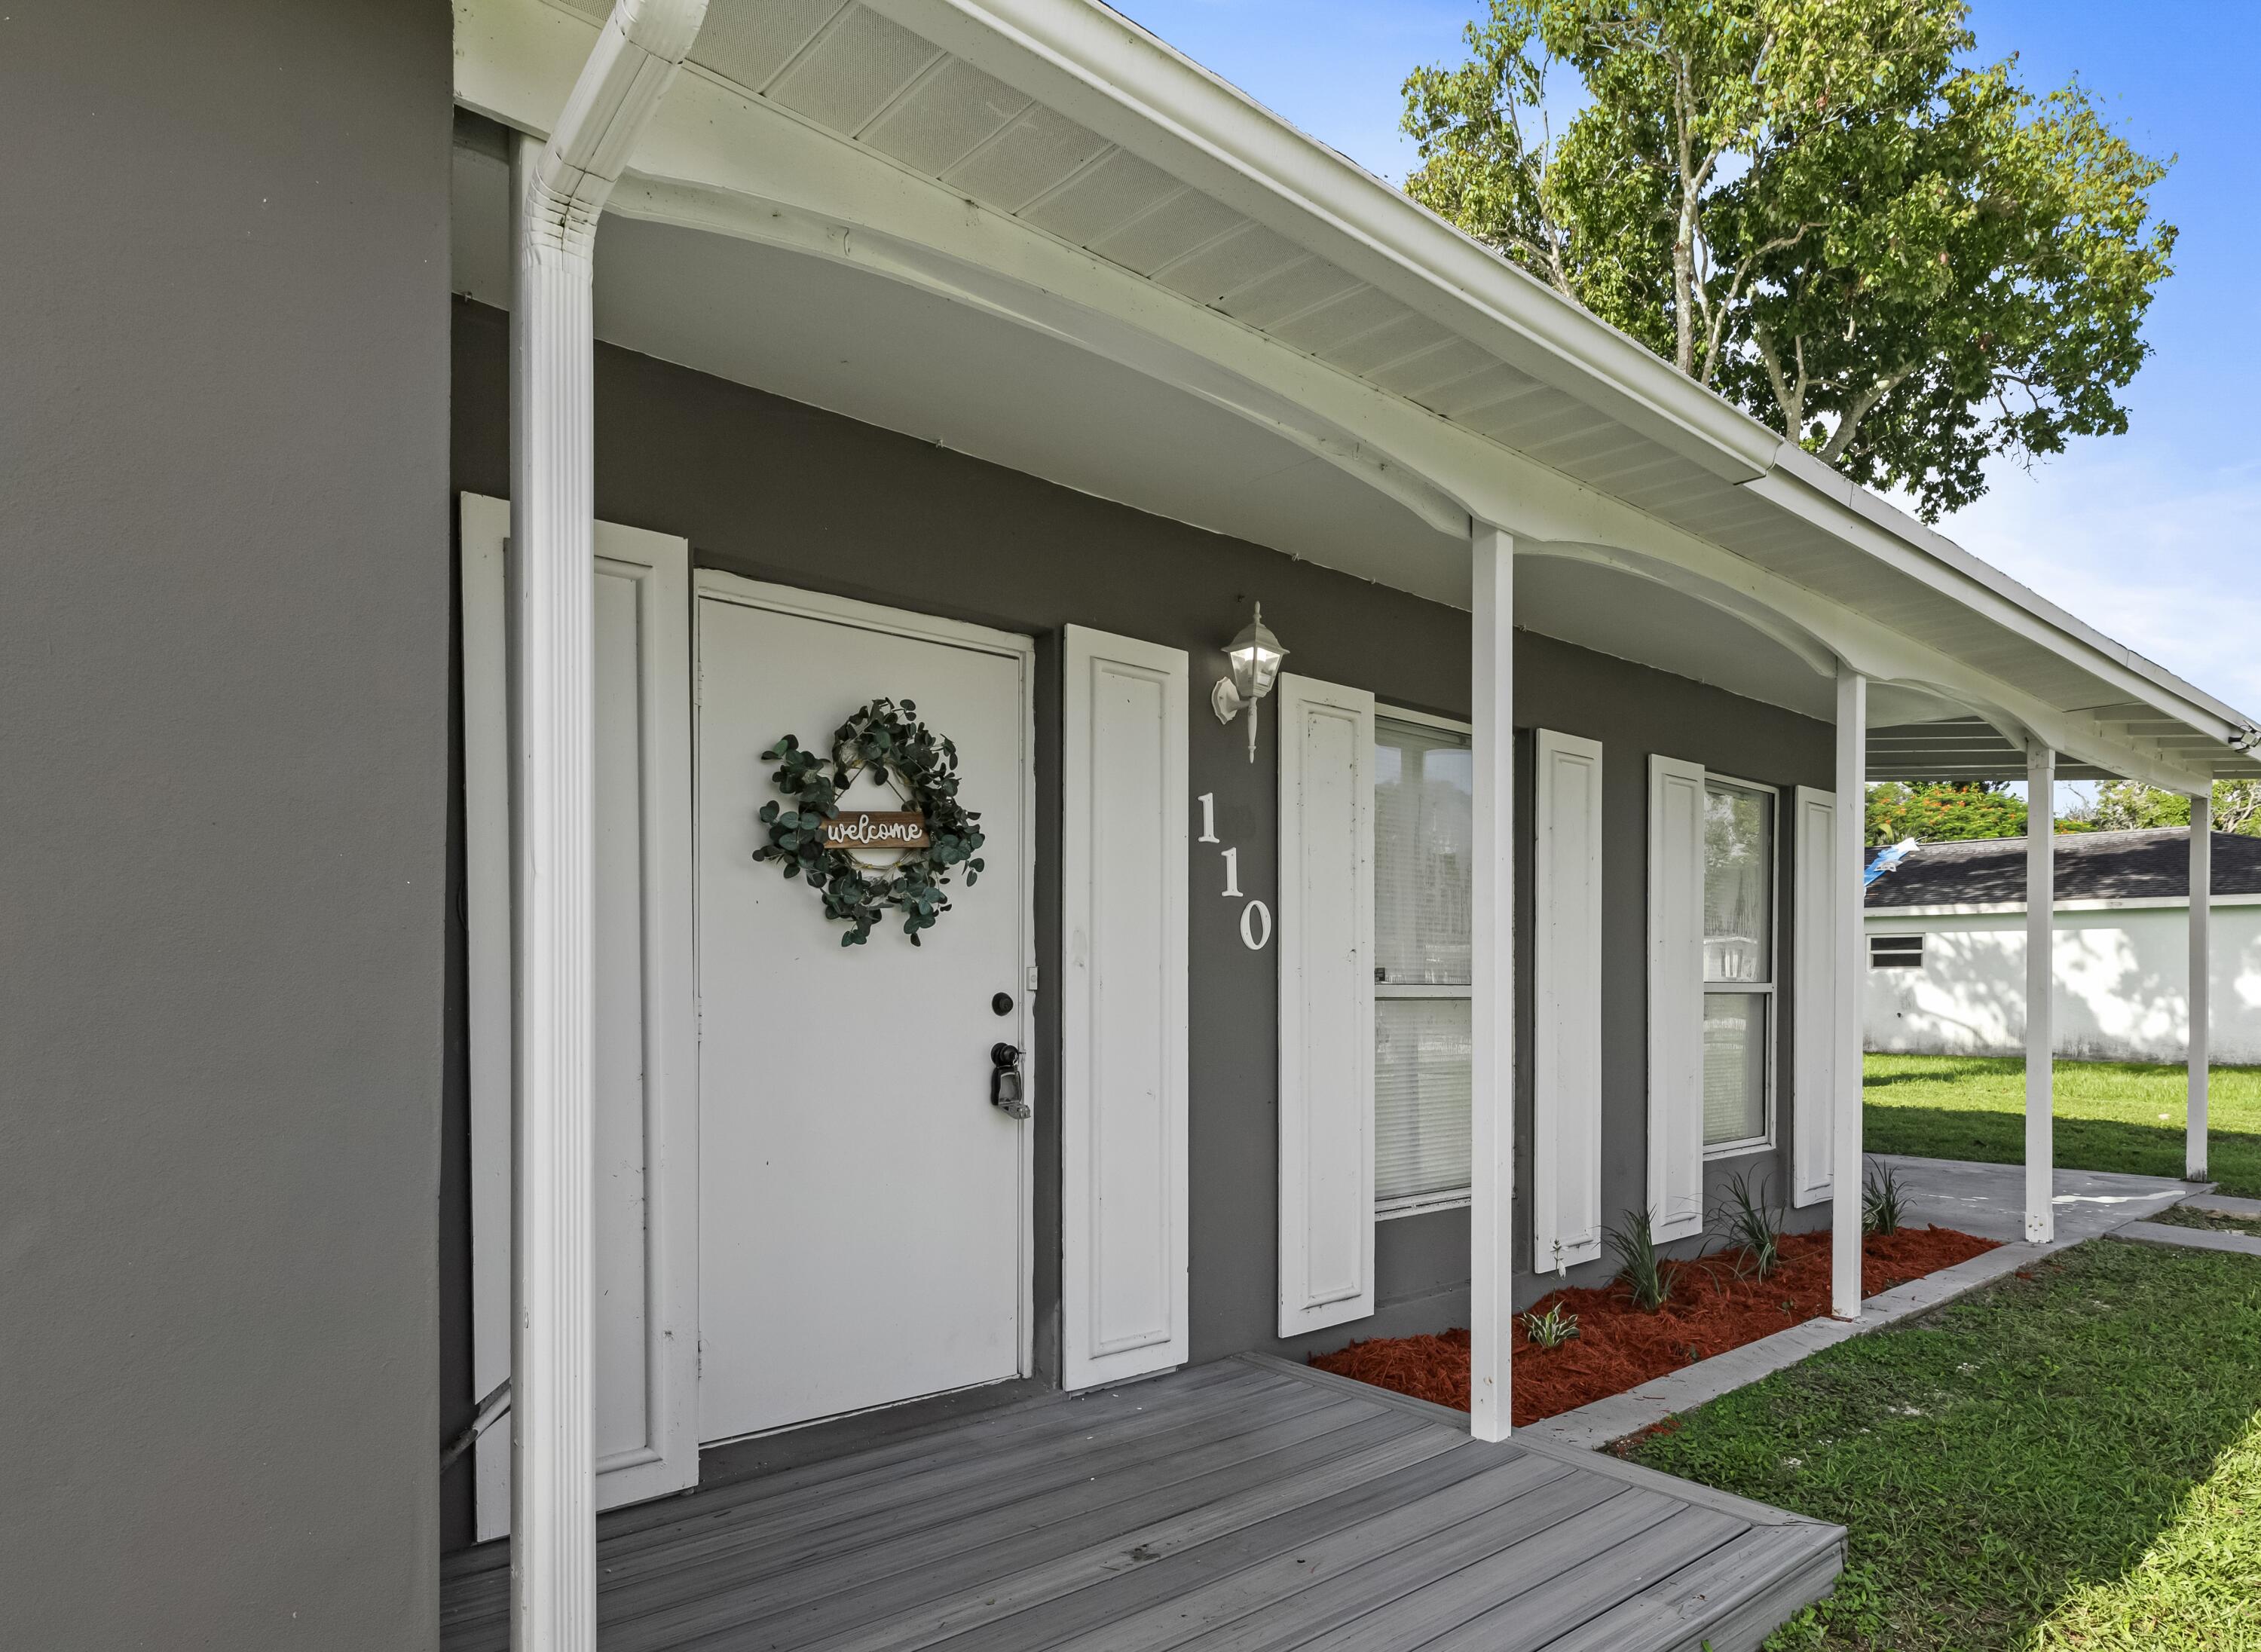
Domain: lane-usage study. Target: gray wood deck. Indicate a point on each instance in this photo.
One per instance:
(1242, 1506)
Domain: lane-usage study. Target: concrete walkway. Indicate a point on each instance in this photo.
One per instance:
(2223, 1204)
(2200, 1239)
(1988, 1200)
(2192, 1239)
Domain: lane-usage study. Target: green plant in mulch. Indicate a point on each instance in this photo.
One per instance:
(2069, 1458)
(1883, 1201)
(1551, 1329)
(1751, 1228)
(1641, 1267)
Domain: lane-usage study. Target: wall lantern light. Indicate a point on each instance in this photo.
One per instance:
(1255, 655)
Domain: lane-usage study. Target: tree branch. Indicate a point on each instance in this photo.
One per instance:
(1788, 395)
(1849, 423)
(1718, 321)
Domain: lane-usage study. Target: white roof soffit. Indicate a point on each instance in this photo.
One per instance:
(1050, 161)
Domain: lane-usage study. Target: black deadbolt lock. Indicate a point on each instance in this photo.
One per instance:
(1002, 1003)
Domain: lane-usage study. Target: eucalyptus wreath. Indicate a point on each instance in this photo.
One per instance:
(886, 738)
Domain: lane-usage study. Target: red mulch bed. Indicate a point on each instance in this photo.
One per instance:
(1618, 1347)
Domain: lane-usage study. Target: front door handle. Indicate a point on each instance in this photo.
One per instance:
(1005, 1081)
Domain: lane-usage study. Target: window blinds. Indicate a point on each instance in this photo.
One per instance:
(1423, 825)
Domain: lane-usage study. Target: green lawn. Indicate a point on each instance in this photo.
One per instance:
(2068, 1458)
(2110, 1114)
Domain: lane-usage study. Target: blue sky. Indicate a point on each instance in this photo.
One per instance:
(2153, 535)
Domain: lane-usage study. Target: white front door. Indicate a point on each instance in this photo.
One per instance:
(864, 1208)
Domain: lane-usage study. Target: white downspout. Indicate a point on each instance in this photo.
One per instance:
(561, 188)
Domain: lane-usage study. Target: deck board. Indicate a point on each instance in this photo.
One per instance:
(1246, 1505)
(1039, 1495)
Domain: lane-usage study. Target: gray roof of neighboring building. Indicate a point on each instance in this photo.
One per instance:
(2152, 865)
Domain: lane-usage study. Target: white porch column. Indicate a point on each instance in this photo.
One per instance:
(560, 188)
(2201, 970)
(2041, 992)
(1852, 971)
(1491, 975)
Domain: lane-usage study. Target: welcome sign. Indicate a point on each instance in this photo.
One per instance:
(875, 829)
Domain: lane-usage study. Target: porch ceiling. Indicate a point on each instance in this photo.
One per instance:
(888, 355)
(851, 130)
(1957, 749)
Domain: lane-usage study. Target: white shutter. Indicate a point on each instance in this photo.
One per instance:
(644, 1315)
(1326, 1004)
(1123, 1009)
(1814, 958)
(1566, 984)
(1676, 997)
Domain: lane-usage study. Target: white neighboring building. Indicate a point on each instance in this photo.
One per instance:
(1947, 949)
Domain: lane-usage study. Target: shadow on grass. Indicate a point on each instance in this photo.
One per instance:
(1992, 1137)
(1998, 1456)
(1942, 1069)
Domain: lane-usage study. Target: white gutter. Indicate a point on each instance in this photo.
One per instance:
(1808, 488)
(561, 189)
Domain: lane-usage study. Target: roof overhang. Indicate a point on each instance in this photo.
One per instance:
(1051, 166)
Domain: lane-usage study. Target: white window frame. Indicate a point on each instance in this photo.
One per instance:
(1765, 1142)
(1444, 1198)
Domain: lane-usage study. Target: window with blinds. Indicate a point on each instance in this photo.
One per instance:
(1739, 964)
(1425, 786)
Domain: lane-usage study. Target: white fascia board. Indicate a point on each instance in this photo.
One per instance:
(1097, 67)
(1810, 490)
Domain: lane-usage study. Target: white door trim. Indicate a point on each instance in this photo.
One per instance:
(668, 1460)
(709, 584)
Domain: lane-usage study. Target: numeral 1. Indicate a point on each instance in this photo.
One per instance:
(1209, 818)
(1232, 872)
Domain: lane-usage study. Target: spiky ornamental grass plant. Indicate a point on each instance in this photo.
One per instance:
(1883, 1201)
(1641, 1267)
(1551, 1329)
(1752, 1229)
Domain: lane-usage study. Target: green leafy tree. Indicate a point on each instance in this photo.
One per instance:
(1943, 811)
(1819, 208)
(2130, 806)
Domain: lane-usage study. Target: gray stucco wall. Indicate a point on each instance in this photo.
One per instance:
(775, 490)
(222, 661)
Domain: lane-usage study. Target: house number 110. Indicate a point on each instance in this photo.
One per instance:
(1255, 916)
